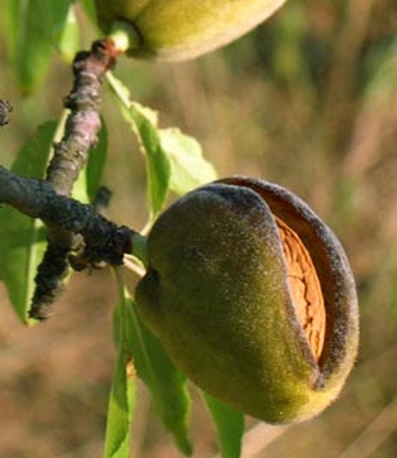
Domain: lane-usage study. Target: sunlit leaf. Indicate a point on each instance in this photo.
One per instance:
(143, 121)
(158, 166)
(174, 160)
(189, 169)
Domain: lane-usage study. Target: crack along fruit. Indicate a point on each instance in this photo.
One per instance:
(253, 297)
(183, 29)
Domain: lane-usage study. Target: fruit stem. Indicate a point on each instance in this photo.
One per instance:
(124, 36)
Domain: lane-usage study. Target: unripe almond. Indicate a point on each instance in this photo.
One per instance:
(183, 29)
(253, 297)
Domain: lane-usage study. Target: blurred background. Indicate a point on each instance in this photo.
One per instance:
(307, 100)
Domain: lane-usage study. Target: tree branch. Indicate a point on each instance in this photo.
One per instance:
(70, 156)
(104, 241)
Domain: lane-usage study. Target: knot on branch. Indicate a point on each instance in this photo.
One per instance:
(100, 247)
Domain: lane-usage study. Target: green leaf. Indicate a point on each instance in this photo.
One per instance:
(22, 239)
(166, 384)
(122, 396)
(174, 160)
(158, 167)
(189, 169)
(144, 124)
(120, 411)
(229, 425)
(33, 31)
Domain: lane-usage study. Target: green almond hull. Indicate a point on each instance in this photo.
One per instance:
(215, 294)
(172, 30)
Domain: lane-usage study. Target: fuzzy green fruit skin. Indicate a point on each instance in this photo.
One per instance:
(216, 295)
(172, 30)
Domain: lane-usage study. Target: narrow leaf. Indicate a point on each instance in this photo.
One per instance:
(120, 411)
(229, 426)
(157, 161)
(122, 396)
(166, 384)
(22, 239)
(174, 160)
(143, 122)
(189, 169)
(33, 31)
